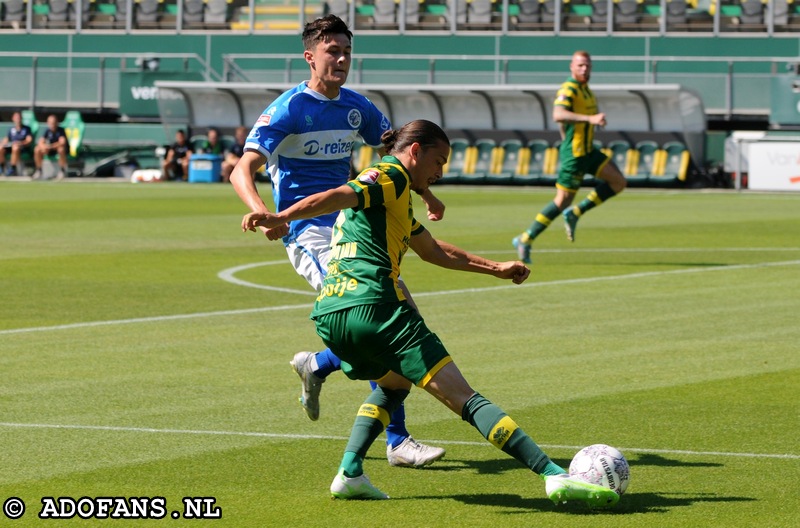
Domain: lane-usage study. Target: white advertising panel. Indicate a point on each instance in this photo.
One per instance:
(774, 166)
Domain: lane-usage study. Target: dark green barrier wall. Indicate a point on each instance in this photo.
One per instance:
(212, 47)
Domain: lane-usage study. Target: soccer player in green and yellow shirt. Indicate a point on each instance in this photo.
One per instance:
(362, 314)
(575, 109)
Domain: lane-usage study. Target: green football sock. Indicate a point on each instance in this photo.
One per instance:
(503, 433)
(542, 222)
(372, 418)
(601, 193)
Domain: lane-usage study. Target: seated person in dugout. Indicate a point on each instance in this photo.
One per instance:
(18, 140)
(176, 163)
(234, 154)
(53, 142)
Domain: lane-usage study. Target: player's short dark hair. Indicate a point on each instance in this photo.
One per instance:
(321, 28)
(426, 133)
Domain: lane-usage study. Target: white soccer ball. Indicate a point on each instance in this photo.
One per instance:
(602, 465)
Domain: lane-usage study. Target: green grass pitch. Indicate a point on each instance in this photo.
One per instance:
(144, 348)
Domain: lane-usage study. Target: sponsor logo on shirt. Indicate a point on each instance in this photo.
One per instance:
(369, 177)
(313, 148)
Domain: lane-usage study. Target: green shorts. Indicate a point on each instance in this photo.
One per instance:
(373, 339)
(570, 176)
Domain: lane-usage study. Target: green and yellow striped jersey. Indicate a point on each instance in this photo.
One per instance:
(369, 241)
(577, 98)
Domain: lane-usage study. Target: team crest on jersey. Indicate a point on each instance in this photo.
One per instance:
(369, 177)
(385, 123)
(354, 118)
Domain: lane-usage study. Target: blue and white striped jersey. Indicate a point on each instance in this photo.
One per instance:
(308, 141)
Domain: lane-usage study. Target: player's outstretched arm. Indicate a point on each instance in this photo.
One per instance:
(342, 197)
(449, 256)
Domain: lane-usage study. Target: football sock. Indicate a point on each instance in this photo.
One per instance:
(543, 220)
(503, 433)
(327, 362)
(601, 193)
(372, 418)
(396, 431)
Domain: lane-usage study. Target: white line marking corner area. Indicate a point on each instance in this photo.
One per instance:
(286, 436)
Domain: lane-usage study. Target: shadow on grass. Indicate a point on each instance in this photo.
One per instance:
(501, 465)
(650, 459)
(629, 504)
(482, 467)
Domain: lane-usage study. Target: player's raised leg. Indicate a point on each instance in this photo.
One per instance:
(450, 387)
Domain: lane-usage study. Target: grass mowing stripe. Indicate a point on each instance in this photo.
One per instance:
(422, 294)
(287, 436)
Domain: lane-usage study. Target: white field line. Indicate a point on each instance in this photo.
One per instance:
(340, 438)
(306, 306)
(280, 436)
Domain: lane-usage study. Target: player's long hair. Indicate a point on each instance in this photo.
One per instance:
(426, 133)
(320, 28)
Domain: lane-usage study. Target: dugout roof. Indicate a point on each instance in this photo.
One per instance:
(630, 107)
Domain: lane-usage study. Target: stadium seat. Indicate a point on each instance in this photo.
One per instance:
(578, 16)
(215, 14)
(672, 165)
(120, 12)
(412, 12)
(677, 15)
(74, 128)
(645, 154)
(780, 13)
(752, 15)
(58, 13)
(460, 14)
(507, 162)
(340, 8)
(227, 142)
(626, 14)
(457, 162)
(29, 120)
(599, 16)
(621, 154)
(385, 14)
(479, 13)
(532, 159)
(14, 12)
(551, 164)
(483, 159)
(85, 15)
(528, 16)
(147, 12)
(547, 14)
(193, 13)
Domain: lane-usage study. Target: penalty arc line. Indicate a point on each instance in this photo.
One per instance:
(286, 436)
(584, 280)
